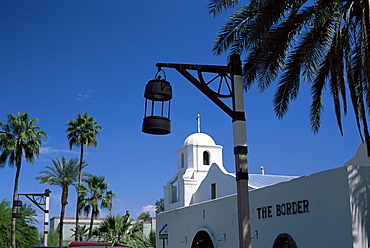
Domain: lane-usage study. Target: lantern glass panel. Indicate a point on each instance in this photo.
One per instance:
(157, 108)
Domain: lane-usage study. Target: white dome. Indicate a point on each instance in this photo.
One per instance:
(199, 139)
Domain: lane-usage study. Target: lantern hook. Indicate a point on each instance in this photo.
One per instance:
(160, 70)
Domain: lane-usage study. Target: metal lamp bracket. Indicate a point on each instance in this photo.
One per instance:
(39, 199)
(224, 74)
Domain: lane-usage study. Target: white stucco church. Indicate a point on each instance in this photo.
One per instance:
(327, 209)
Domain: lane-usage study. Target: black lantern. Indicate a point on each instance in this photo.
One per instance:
(157, 112)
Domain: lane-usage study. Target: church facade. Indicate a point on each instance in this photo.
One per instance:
(327, 209)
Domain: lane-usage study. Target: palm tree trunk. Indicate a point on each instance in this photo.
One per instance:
(15, 197)
(64, 203)
(91, 222)
(78, 194)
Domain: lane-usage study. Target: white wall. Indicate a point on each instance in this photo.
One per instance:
(359, 187)
(217, 217)
(323, 220)
(327, 222)
(225, 185)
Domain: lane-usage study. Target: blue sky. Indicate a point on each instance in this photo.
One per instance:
(61, 57)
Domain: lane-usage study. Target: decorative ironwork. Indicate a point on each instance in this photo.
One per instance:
(39, 199)
(221, 83)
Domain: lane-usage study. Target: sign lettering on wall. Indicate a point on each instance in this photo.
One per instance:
(283, 209)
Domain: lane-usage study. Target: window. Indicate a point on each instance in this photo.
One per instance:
(213, 191)
(182, 160)
(174, 189)
(206, 157)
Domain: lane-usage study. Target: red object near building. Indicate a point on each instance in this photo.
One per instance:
(96, 244)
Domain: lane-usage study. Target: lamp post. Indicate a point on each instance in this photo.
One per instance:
(41, 200)
(231, 77)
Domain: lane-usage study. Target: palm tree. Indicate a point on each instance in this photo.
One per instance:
(19, 138)
(144, 215)
(81, 231)
(159, 206)
(324, 43)
(83, 131)
(53, 237)
(144, 241)
(95, 191)
(118, 229)
(110, 196)
(64, 174)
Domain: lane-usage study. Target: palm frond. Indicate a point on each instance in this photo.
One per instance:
(229, 32)
(288, 87)
(273, 51)
(215, 7)
(317, 88)
(327, 43)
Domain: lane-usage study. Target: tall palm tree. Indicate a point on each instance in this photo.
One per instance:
(64, 174)
(95, 191)
(324, 43)
(82, 132)
(19, 138)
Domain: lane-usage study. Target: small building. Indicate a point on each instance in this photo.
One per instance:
(149, 224)
(327, 209)
(69, 224)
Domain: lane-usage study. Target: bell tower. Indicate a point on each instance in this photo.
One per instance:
(194, 159)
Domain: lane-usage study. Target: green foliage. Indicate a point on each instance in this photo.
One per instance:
(144, 215)
(94, 192)
(159, 206)
(63, 174)
(27, 233)
(82, 232)
(323, 43)
(80, 132)
(143, 241)
(53, 237)
(19, 137)
(152, 238)
(5, 220)
(83, 131)
(118, 229)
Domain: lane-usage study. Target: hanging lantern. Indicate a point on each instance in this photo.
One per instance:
(158, 93)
